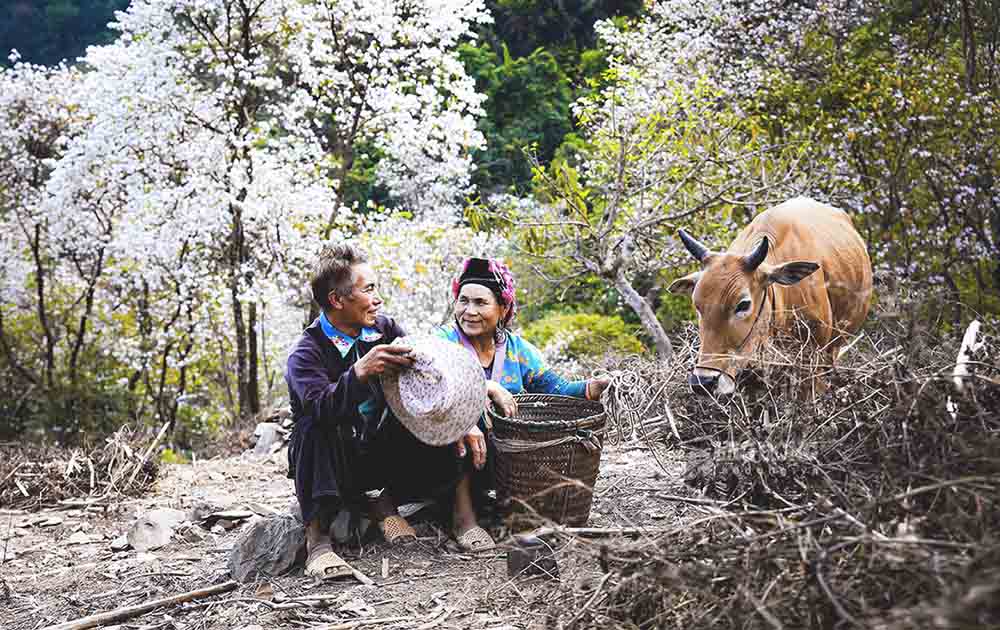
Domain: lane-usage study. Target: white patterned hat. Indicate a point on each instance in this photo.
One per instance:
(442, 396)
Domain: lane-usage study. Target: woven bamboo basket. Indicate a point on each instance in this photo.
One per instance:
(548, 457)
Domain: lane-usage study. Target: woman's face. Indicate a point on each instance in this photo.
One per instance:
(477, 311)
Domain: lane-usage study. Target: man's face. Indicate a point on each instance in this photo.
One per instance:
(362, 305)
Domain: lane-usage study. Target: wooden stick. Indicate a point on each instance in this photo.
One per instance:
(350, 625)
(127, 612)
(598, 531)
(149, 451)
(361, 577)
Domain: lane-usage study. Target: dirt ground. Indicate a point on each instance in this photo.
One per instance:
(58, 564)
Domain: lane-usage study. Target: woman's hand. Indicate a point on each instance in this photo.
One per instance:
(475, 441)
(596, 387)
(502, 399)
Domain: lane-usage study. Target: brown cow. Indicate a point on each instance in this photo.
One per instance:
(799, 259)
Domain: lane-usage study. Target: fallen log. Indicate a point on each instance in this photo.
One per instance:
(135, 610)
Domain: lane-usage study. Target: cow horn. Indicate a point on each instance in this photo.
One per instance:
(697, 250)
(752, 260)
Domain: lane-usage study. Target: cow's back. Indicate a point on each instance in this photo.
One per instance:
(804, 229)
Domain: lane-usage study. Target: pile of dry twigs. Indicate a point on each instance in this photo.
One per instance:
(875, 503)
(34, 476)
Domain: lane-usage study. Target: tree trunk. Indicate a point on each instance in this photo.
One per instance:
(253, 360)
(969, 47)
(242, 380)
(43, 319)
(239, 324)
(664, 349)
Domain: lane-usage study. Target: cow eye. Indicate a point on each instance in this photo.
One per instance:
(743, 307)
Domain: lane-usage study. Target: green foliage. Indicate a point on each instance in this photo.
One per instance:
(48, 31)
(360, 185)
(566, 27)
(170, 456)
(527, 107)
(674, 311)
(535, 60)
(584, 335)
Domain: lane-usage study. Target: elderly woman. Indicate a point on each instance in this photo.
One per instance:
(485, 305)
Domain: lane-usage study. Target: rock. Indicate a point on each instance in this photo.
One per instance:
(268, 434)
(268, 547)
(263, 510)
(295, 510)
(120, 544)
(78, 538)
(531, 556)
(231, 515)
(154, 529)
(200, 511)
(49, 521)
(189, 532)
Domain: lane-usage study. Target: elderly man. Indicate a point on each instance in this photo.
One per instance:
(347, 449)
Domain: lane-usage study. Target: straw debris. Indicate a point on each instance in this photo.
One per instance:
(32, 477)
(862, 496)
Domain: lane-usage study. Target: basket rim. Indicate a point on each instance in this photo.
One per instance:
(597, 416)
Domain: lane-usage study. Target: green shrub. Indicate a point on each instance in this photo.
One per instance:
(674, 311)
(584, 335)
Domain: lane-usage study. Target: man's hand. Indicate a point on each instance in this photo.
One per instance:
(502, 399)
(382, 359)
(476, 442)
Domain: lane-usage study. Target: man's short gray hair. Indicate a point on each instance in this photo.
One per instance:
(333, 271)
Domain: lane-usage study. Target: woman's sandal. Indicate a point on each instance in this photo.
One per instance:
(475, 539)
(396, 530)
(323, 564)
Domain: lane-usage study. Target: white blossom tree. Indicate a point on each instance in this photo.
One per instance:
(223, 130)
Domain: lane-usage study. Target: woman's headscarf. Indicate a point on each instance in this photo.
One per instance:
(495, 276)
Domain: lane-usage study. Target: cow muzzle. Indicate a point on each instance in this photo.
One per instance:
(708, 382)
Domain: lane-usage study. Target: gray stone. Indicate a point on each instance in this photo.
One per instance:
(120, 543)
(295, 510)
(189, 532)
(268, 434)
(263, 510)
(532, 556)
(267, 547)
(200, 511)
(154, 529)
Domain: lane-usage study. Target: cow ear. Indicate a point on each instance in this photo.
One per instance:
(790, 273)
(685, 285)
